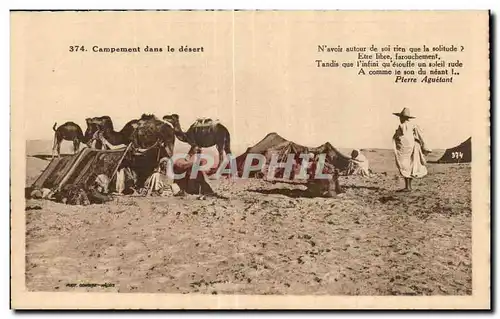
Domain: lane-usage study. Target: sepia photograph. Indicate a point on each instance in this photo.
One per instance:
(250, 159)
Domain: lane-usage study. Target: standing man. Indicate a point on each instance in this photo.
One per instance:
(409, 149)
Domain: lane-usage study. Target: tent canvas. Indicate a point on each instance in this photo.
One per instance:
(273, 143)
(79, 168)
(458, 154)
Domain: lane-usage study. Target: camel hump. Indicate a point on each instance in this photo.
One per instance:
(205, 122)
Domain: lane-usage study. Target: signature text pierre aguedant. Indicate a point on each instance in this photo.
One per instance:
(136, 49)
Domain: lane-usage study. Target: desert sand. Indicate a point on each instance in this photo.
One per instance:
(265, 239)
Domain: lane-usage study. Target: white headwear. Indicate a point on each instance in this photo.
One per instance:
(102, 180)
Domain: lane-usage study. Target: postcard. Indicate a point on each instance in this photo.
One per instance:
(238, 159)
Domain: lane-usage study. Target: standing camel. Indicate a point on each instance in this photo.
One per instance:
(69, 131)
(93, 125)
(152, 140)
(152, 131)
(105, 125)
(203, 133)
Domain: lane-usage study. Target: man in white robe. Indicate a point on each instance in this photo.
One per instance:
(409, 149)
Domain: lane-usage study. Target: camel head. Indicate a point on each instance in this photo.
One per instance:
(173, 119)
(91, 129)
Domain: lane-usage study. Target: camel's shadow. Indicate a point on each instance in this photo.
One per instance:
(294, 193)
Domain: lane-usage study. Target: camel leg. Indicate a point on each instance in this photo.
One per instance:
(76, 145)
(221, 157)
(57, 145)
(59, 148)
(227, 149)
(220, 149)
(54, 145)
(54, 148)
(227, 146)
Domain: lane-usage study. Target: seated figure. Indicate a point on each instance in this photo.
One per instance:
(159, 183)
(198, 184)
(358, 164)
(323, 187)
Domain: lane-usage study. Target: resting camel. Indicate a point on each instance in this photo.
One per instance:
(203, 133)
(69, 131)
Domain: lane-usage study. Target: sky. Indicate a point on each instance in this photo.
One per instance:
(257, 74)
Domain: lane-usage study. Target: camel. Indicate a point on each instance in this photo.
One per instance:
(150, 131)
(105, 125)
(151, 134)
(69, 131)
(93, 125)
(146, 133)
(203, 133)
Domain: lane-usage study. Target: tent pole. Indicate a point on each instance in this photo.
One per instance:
(120, 161)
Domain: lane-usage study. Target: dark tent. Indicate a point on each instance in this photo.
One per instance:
(458, 154)
(275, 144)
(79, 168)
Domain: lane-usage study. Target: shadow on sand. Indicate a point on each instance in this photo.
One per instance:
(373, 188)
(295, 193)
(46, 157)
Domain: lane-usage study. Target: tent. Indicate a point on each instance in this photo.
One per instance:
(458, 154)
(273, 143)
(79, 168)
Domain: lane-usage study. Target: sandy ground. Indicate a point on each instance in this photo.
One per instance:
(265, 239)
